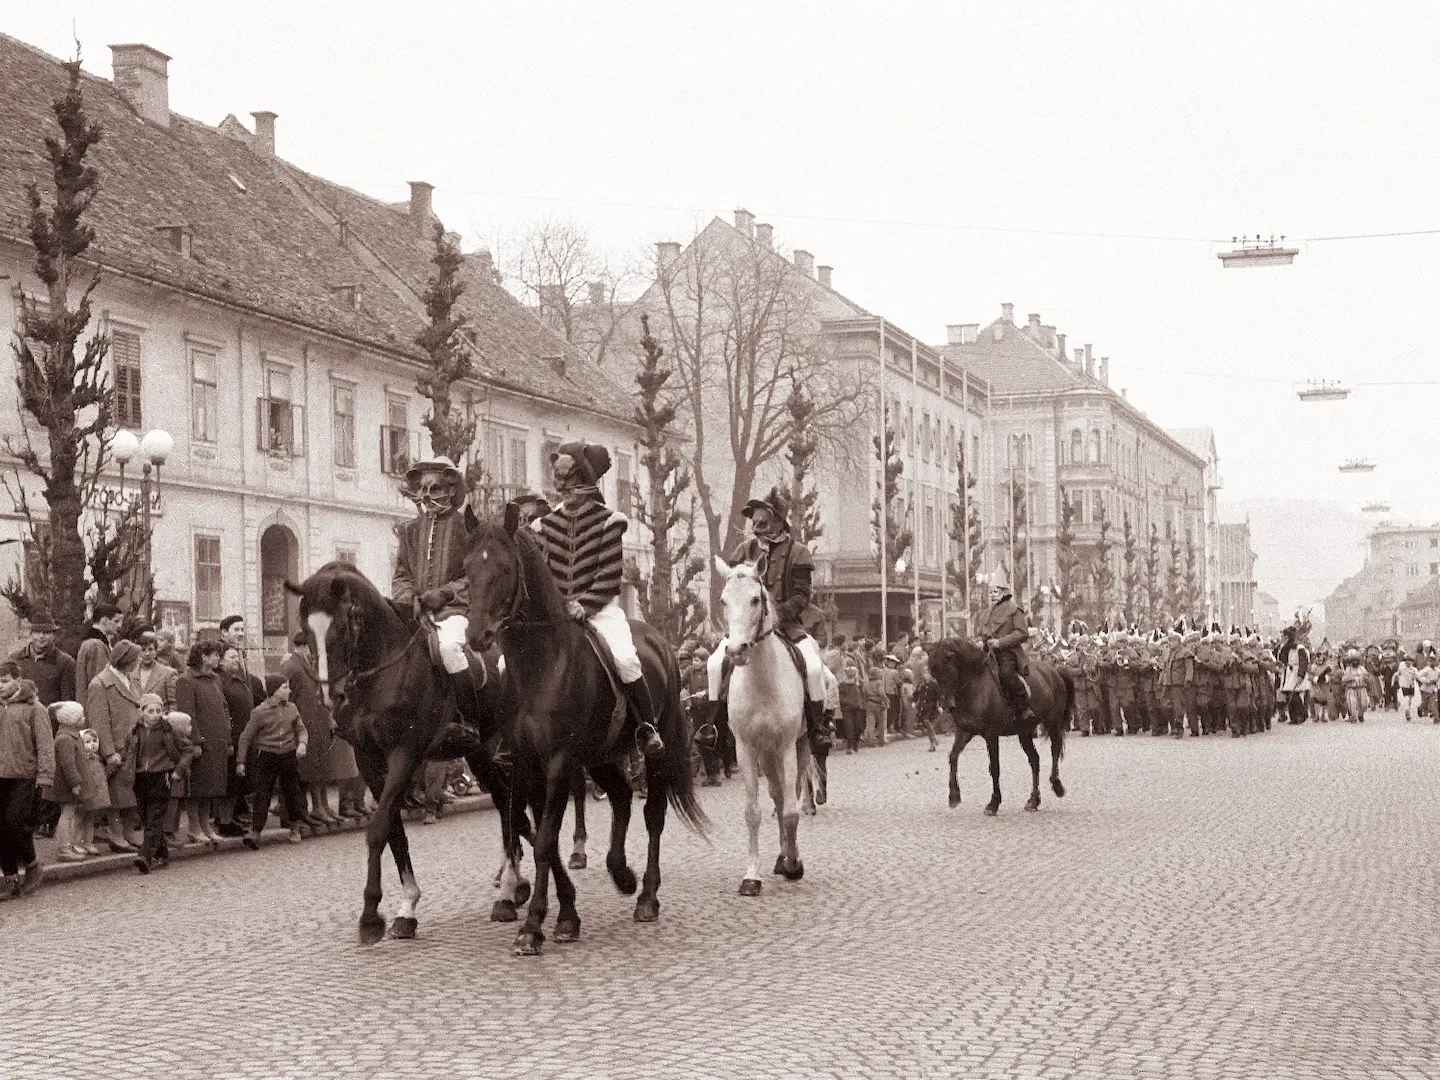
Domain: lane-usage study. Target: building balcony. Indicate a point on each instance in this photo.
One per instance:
(1093, 471)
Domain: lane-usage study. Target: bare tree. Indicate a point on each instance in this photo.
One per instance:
(740, 320)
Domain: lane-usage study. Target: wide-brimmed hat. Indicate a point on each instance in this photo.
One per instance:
(42, 623)
(532, 498)
(435, 464)
(777, 503)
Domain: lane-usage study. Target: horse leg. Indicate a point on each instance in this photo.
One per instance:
(647, 904)
(577, 796)
(612, 781)
(510, 880)
(388, 779)
(750, 776)
(548, 805)
(992, 744)
(961, 738)
(1027, 743)
(1057, 750)
(805, 793)
(788, 779)
(405, 921)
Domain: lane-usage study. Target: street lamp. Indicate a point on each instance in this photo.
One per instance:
(153, 450)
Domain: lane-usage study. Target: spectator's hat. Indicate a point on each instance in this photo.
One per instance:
(70, 713)
(533, 499)
(42, 623)
(124, 654)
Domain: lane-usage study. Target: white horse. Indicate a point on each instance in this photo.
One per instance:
(767, 717)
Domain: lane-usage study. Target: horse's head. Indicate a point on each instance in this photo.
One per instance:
(954, 663)
(495, 574)
(337, 605)
(749, 609)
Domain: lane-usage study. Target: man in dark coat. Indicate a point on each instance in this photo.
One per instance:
(42, 662)
(785, 566)
(1004, 632)
(94, 652)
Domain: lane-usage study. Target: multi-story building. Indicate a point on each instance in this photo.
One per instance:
(1367, 605)
(1235, 588)
(1057, 428)
(266, 319)
(833, 346)
(1267, 615)
(1201, 440)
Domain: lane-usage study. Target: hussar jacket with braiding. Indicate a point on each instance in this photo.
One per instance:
(585, 549)
(432, 556)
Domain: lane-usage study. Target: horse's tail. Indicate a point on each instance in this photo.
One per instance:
(675, 731)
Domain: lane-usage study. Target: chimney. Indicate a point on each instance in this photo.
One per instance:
(824, 273)
(552, 298)
(420, 193)
(1079, 358)
(1105, 370)
(264, 142)
(142, 77)
(666, 252)
(1007, 312)
(1089, 367)
(1034, 321)
(1060, 347)
(598, 293)
(1089, 363)
(805, 262)
(765, 234)
(745, 222)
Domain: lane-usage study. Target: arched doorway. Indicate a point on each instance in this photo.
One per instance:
(279, 610)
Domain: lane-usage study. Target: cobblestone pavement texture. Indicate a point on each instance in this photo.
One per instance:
(1264, 907)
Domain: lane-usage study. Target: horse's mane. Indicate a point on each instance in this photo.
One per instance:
(359, 586)
(526, 545)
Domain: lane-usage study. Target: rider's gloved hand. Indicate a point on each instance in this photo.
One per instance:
(575, 610)
(434, 600)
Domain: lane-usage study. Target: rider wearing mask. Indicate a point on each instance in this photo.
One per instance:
(785, 566)
(584, 545)
(430, 569)
(1004, 632)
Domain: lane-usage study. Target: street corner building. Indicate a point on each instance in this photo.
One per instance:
(266, 318)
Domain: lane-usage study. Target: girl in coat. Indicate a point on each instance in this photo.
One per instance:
(199, 695)
(183, 728)
(27, 763)
(69, 783)
(112, 706)
(94, 789)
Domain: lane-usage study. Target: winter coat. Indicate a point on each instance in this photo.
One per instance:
(203, 699)
(275, 727)
(94, 787)
(786, 569)
(52, 672)
(91, 658)
(160, 679)
(240, 699)
(112, 708)
(431, 556)
(160, 750)
(1005, 623)
(319, 725)
(69, 782)
(27, 745)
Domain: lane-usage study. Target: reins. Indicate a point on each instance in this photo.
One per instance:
(746, 646)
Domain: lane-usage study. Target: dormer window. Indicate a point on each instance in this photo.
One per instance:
(175, 237)
(348, 295)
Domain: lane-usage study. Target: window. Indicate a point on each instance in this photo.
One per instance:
(279, 423)
(910, 432)
(507, 462)
(1077, 446)
(625, 484)
(395, 438)
(950, 446)
(1434, 541)
(345, 555)
(125, 355)
(518, 464)
(926, 439)
(203, 419)
(207, 579)
(1095, 448)
(1412, 570)
(342, 434)
(547, 448)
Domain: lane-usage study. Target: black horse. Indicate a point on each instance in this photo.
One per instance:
(564, 707)
(969, 688)
(394, 708)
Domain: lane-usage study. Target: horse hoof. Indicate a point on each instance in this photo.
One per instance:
(1033, 805)
(528, 943)
(567, 929)
(578, 861)
(809, 809)
(647, 909)
(954, 801)
(1057, 787)
(779, 865)
(372, 930)
(522, 893)
(503, 911)
(797, 873)
(991, 811)
(750, 887)
(624, 879)
(403, 927)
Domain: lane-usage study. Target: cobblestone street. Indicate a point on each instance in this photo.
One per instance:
(1252, 908)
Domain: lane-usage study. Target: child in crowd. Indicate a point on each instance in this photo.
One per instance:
(1405, 688)
(907, 701)
(278, 735)
(1428, 679)
(161, 756)
(69, 785)
(94, 788)
(184, 728)
(877, 705)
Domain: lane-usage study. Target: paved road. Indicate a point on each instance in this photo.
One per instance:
(1249, 908)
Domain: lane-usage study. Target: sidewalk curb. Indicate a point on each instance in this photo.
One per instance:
(111, 863)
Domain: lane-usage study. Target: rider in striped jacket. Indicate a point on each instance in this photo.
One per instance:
(583, 540)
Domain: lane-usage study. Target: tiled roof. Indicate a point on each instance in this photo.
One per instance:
(1014, 362)
(262, 238)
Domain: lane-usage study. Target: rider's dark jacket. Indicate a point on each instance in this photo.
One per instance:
(432, 556)
(786, 568)
(1005, 622)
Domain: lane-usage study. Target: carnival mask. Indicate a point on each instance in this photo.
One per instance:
(435, 494)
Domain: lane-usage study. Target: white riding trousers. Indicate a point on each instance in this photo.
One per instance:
(809, 651)
(450, 636)
(613, 626)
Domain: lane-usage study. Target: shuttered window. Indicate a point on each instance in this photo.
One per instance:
(125, 358)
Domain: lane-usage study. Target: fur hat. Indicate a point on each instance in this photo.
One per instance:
(151, 699)
(592, 460)
(777, 503)
(69, 713)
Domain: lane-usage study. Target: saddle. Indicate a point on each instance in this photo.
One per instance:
(792, 647)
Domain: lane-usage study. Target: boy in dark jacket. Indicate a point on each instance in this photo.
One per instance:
(278, 735)
(161, 756)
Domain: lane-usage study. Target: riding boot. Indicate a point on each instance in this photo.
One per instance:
(815, 727)
(647, 735)
(461, 735)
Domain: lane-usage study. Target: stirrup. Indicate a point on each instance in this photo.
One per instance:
(707, 736)
(648, 741)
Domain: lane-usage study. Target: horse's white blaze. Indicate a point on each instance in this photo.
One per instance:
(320, 626)
(411, 890)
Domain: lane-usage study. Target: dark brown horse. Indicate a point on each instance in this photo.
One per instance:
(969, 684)
(393, 707)
(564, 702)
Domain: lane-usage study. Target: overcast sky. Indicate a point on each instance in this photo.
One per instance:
(944, 158)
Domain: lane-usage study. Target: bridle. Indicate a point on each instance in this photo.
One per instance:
(742, 647)
(340, 691)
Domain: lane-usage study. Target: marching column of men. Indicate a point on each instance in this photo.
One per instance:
(1164, 682)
